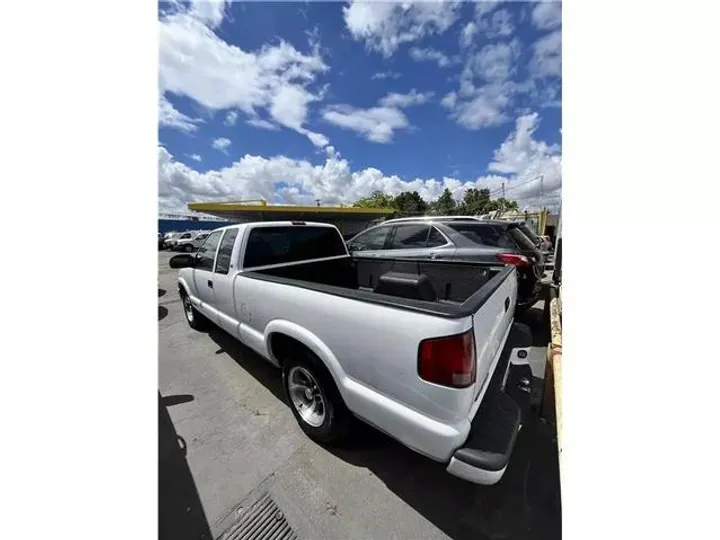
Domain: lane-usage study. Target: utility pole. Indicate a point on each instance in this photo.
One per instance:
(503, 190)
(542, 191)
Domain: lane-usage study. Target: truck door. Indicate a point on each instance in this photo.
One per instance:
(226, 265)
(203, 274)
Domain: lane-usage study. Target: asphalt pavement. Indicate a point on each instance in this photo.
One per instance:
(229, 438)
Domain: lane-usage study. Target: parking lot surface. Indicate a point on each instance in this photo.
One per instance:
(233, 439)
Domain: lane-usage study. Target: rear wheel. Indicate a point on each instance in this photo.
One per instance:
(195, 319)
(188, 248)
(314, 399)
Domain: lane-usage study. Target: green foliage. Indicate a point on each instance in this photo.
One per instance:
(445, 205)
(410, 203)
(378, 199)
(475, 202)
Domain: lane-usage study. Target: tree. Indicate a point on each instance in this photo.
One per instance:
(501, 204)
(377, 199)
(410, 202)
(475, 202)
(445, 205)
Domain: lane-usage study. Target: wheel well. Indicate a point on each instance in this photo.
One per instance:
(282, 346)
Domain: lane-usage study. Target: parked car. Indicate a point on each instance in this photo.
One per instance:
(198, 240)
(173, 242)
(168, 237)
(161, 241)
(187, 241)
(466, 239)
(426, 351)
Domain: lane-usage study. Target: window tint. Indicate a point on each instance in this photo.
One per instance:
(372, 239)
(529, 233)
(410, 236)
(225, 251)
(206, 254)
(523, 241)
(276, 245)
(435, 239)
(485, 235)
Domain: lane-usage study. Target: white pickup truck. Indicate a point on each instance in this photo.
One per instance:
(425, 351)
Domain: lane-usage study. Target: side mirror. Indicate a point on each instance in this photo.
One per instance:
(184, 260)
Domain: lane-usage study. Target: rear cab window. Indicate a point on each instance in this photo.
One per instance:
(292, 243)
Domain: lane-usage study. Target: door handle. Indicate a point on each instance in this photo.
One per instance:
(210, 283)
(507, 304)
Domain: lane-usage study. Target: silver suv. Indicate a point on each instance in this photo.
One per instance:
(457, 239)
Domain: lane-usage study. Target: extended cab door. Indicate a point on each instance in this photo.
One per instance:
(203, 274)
(226, 266)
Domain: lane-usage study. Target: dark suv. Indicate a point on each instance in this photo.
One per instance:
(457, 239)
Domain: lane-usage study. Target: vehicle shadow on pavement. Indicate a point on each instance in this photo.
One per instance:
(180, 512)
(524, 504)
(262, 370)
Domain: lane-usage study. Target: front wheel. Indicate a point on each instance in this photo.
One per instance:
(195, 319)
(314, 399)
(188, 248)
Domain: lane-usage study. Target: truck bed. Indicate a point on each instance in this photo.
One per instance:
(456, 289)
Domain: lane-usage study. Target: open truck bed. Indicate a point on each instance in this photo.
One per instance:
(447, 289)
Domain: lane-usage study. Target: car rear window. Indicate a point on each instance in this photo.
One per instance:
(485, 234)
(528, 232)
(278, 245)
(522, 240)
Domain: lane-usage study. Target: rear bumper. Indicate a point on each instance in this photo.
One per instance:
(486, 453)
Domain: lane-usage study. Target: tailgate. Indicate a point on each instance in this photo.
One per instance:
(491, 324)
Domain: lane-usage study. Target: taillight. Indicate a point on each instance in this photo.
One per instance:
(449, 361)
(514, 259)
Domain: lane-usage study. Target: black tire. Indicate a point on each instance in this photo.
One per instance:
(188, 248)
(195, 319)
(337, 418)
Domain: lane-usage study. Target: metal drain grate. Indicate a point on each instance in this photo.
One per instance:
(263, 520)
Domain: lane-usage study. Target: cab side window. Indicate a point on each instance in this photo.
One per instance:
(225, 251)
(205, 257)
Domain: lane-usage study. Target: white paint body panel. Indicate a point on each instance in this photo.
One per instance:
(371, 350)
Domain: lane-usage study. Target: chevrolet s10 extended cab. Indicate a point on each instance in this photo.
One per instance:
(425, 351)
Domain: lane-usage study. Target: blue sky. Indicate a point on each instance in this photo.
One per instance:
(305, 100)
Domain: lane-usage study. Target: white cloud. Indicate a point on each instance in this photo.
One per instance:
(485, 91)
(385, 75)
(169, 116)
(517, 163)
(499, 24)
(432, 55)
(485, 7)
(262, 124)
(196, 63)
(405, 100)
(467, 34)
(546, 60)
(384, 26)
(547, 15)
(376, 124)
(526, 159)
(495, 62)
(211, 12)
(231, 118)
(221, 144)
(196, 157)
(485, 108)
